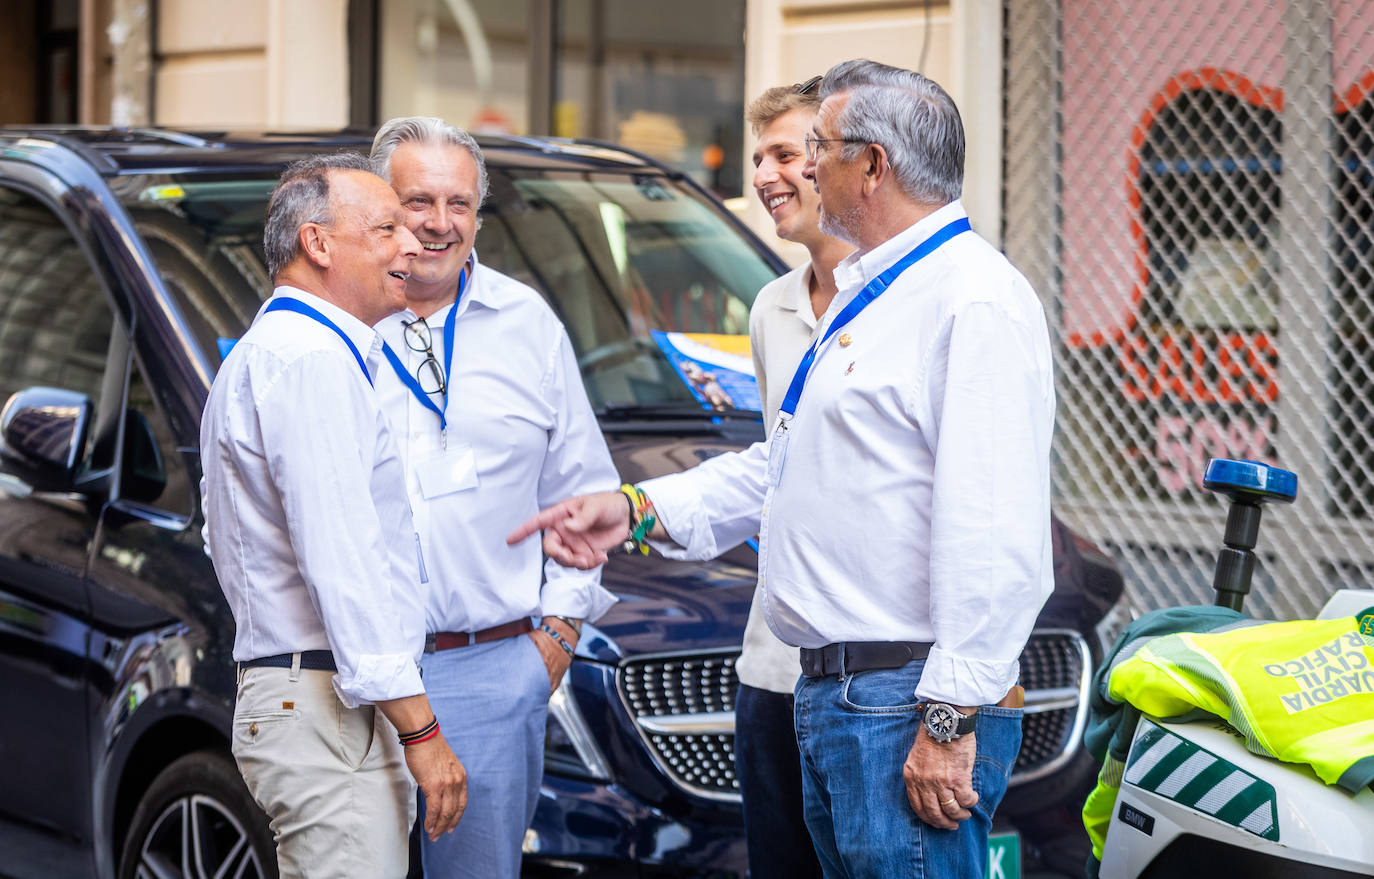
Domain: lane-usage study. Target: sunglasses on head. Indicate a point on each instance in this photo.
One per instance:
(809, 87)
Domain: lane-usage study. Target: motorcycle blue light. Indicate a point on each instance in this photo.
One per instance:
(1250, 480)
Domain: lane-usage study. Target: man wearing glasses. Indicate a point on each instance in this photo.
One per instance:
(905, 543)
(483, 390)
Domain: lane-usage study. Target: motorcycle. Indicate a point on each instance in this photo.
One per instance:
(1191, 798)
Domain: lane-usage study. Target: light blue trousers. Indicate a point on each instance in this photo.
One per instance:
(491, 701)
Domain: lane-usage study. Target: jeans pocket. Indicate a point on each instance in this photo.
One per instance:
(882, 691)
(999, 742)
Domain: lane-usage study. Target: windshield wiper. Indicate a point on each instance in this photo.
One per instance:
(671, 411)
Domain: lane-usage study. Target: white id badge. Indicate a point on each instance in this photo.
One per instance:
(777, 453)
(454, 469)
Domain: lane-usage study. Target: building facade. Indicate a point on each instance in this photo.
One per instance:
(667, 79)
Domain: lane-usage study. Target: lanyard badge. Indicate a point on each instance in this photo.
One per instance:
(777, 450)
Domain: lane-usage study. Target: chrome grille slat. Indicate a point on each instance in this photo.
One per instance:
(673, 692)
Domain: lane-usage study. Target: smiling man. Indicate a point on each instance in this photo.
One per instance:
(313, 542)
(484, 390)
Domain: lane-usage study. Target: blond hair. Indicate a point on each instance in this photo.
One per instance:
(780, 99)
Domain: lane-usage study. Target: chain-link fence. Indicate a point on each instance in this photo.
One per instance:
(1189, 186)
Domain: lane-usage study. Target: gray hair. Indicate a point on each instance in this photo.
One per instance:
(302, 196)
(909, 116)
(426, 130)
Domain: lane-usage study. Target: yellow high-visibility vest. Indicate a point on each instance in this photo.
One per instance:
(1299, 691)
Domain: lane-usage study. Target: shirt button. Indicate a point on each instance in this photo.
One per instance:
(253, 729)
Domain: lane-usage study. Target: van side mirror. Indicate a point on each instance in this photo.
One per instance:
(43, 435)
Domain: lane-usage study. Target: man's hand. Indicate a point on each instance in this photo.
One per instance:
(939, 779)
(444, 782)
(556, 659)
(431, 763)
(578, 531)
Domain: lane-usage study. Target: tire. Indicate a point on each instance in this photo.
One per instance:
(197, 819)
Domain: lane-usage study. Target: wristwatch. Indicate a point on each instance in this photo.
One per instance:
(944, 723)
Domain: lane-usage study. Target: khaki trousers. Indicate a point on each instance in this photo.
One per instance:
(331, 779)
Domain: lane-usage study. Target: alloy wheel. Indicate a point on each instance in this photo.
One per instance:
(197, 837)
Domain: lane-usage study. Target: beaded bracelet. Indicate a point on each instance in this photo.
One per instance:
(423, 734)
(553, 633)
(641, 520)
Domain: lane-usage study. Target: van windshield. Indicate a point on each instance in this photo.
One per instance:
(652, 283)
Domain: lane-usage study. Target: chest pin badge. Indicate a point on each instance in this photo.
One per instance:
(845, 340)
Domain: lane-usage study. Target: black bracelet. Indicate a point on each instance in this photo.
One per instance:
(424, 733)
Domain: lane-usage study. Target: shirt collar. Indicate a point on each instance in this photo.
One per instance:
(796, 297)
(478, 293)
(358, 333)
(858, 269)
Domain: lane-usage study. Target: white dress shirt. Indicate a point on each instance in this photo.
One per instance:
(304, 504)
(516, 401)
(913, 504)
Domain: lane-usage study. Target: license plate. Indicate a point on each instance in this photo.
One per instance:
(1004, 856)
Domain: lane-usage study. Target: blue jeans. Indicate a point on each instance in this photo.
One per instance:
(491, 701)
(769, 771)
(854, 733)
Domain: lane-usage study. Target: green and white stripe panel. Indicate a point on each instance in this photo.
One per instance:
(1178, 770)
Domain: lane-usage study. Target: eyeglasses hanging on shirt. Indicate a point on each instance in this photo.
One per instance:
(429, 373)
(422, 383)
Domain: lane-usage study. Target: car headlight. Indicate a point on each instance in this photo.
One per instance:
(1114, 622)
(569, 747)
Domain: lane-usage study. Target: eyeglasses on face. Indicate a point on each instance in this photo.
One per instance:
(429, 373)
(813, 144)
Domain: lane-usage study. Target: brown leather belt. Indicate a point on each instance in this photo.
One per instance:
(451, 640)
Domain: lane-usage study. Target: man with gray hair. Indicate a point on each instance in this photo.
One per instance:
(905, 543)
(484, 391)
(313, 544)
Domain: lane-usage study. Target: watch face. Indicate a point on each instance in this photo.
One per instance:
(941, 722)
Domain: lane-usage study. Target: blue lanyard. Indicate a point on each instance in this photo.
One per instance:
(875, 288)
(450, 323)
(286, 303)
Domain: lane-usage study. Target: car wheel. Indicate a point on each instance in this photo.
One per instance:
(197, 819)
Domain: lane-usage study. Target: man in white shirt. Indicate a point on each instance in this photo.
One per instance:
(313, 543)
(905, 542)
(483, 388)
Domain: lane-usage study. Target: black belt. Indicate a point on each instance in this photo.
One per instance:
(852, 656)
(315, 660)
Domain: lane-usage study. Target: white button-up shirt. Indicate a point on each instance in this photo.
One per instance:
(516, 400)
(913, 504)
(305, 506)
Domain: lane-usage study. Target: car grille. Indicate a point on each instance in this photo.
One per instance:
(684, 707)
(684, 704)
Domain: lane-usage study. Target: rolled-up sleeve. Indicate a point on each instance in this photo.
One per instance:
(713, 507)
(577, 462)
(320, 452)
(990, 560)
